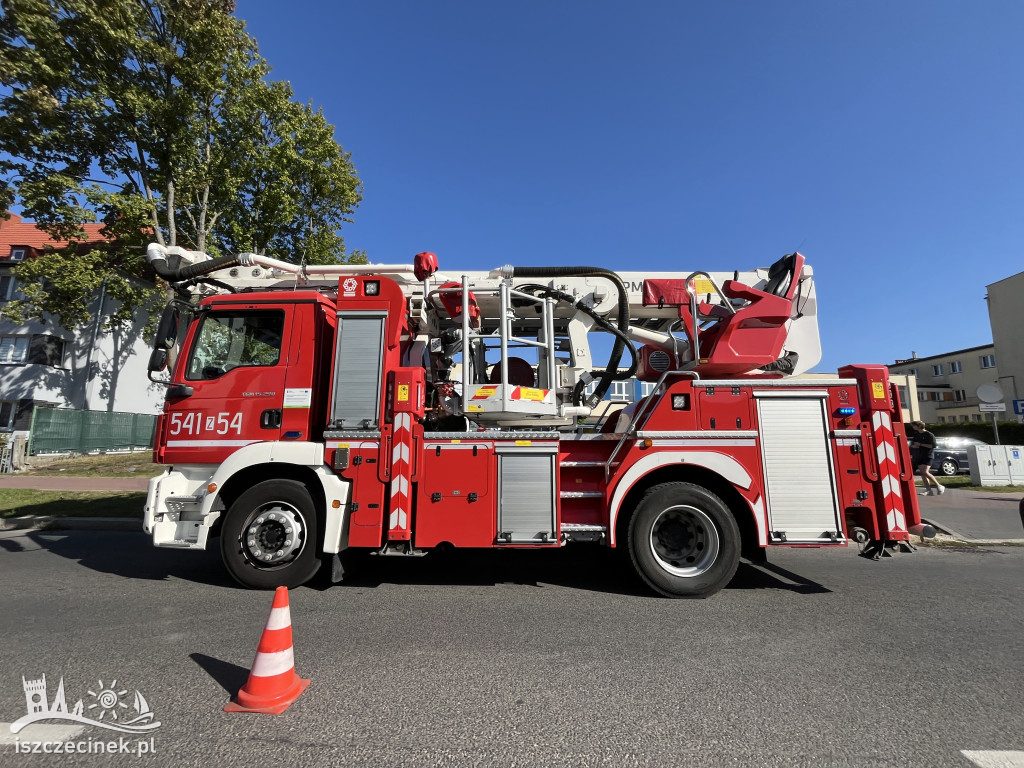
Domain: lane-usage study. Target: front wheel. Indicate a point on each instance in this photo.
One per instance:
(684, 541)
(269, 537)
(948, 467)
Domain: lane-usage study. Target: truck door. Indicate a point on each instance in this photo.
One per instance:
(231, 383)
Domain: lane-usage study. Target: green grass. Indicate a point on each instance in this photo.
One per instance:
(103, 465)
(964, 483)
(24, 502)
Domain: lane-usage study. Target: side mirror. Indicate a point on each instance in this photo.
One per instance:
(158, 360)
(166, 332)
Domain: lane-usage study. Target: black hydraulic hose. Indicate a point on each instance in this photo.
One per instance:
(181, 274)
(611, 372)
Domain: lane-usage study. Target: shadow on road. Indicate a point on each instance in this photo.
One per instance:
(586, 567)
(591, 568)
(133, 556)
(11, 545)
(229, 676)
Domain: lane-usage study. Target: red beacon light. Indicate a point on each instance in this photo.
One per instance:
(424, 265)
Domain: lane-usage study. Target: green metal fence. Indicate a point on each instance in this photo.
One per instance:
(60, 430)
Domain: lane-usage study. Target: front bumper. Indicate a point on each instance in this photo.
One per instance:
(174, 502)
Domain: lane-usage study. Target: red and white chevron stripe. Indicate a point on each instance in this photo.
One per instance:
(888, 473)
(401, 469)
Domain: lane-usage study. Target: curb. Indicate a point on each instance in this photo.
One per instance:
(72, 524)
(966, 539)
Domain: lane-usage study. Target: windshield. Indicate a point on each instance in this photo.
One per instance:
(228, 340)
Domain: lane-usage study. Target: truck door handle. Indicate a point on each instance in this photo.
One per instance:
(271, 419)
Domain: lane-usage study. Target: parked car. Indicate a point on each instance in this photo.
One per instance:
(950, 456)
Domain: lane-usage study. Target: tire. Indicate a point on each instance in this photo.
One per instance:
(949, 467)
(269, 536)
(684, 541)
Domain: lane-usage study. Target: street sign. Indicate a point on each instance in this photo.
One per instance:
(1018, 407)
(983, 407)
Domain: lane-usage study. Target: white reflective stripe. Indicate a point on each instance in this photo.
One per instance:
(896, 520)
(713, 442)
(398, 518)
(891, 486)
(885, 420)
(885, 451)
(270, 664)
(208, 443)
(279, 618)
(400, 485)
(401, 453)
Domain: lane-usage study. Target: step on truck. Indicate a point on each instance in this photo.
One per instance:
(316, 413)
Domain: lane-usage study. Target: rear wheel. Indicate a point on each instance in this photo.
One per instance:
(269, 536)
(949, 467)
(684, 541)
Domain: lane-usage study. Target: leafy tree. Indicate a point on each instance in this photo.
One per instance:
(158, 119)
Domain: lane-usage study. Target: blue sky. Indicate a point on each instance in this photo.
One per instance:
(884, 140)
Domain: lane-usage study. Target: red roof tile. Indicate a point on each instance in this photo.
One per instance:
(15, 233)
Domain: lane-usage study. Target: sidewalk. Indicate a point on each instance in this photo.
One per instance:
(975, 515)
(73, 483)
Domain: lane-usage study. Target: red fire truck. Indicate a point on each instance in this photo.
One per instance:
(318, 412)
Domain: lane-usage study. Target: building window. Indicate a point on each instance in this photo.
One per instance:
(8, 409)
(959, 395)
(963, 417)
(976, 417)
(7, 287)
(646, 387)
(942, 419)
(46, 350)
(920, 396)
(987, 361)
(17, 254)
(620, 391)
(13, 349)
(913, 372)
(956, 367)
(937, 370)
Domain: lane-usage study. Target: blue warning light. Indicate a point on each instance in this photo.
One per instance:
(847, 410)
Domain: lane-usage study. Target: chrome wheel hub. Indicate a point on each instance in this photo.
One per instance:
(684, 541)
(273, 535)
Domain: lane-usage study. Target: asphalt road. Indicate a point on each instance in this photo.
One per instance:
(532, 659)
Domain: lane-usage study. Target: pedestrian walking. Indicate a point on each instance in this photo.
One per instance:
(922, 445)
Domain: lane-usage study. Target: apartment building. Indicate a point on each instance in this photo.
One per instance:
(1007, 321)
(947, 384)
(44, 364)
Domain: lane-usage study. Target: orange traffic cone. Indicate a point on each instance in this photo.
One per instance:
(273, 685)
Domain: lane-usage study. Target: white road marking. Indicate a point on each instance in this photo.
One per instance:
(995, 758)
(39, 732)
